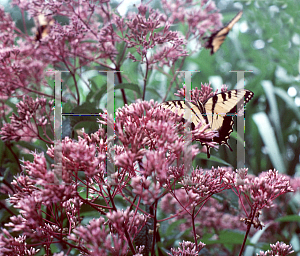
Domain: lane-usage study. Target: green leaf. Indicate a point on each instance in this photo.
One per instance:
(213, 159)
(288, 101)
(122, 55)
(274, 113)
(289, 218)
(173, 227)
(96, 93)
(153, 91)
(268, 136)
(67, 107)
(85, 112)
(130, 86)
(227, 237)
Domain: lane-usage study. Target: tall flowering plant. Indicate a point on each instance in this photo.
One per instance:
(126, 211)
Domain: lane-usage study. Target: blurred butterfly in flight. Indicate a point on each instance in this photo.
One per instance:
(217, 38)
(43, 25)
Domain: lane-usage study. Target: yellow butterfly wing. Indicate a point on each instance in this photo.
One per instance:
(220, 109)
(223, 104)
(180, 106)
(216, 39)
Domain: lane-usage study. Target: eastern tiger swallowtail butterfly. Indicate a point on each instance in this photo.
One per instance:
(217, 111)
(217, 38)
(43, 26)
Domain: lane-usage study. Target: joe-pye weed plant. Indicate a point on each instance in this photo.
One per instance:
(150, 204)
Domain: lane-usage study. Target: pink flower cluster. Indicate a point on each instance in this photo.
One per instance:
(32, 115)
(200, 19)
(187, 248)
(149, 162)
(279, 248)
(143, 37)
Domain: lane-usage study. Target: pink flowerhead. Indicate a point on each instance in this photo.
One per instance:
(187, 248)
(265, 188)
(278, 249)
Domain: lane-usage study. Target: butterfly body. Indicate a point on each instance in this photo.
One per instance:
(217, 111)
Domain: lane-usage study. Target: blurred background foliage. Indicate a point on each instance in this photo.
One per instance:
(266, 41)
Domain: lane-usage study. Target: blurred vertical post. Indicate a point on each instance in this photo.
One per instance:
(110, 125)
(240, 160)
(187, 116)
(58, 126)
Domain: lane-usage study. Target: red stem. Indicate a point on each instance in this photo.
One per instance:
(248, 231)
